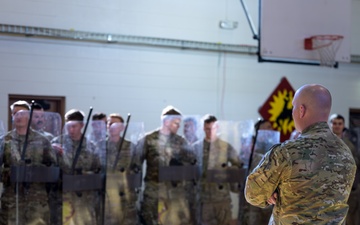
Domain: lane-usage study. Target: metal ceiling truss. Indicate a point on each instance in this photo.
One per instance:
(84, 36)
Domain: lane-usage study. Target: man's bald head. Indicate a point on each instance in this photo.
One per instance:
(311, 104)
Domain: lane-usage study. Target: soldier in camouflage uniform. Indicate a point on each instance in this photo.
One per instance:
(309, 179)
(98, 135)
(337, 124)
(164, 202)
(216, 154)
(38, 121)
(24, 203)
(120, 199)
(81, 207)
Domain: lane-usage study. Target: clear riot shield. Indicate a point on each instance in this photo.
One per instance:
(28, 172)
(97, 136)
(249, 214)
(170, 169)
(223, 173)
(192, 129)
(82, 181)
(47, 123)
(122, 185)
(246, 140)
(265, 139)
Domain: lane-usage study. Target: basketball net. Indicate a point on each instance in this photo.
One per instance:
(326, 46)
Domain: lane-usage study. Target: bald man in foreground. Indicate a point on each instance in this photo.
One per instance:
(309, 179)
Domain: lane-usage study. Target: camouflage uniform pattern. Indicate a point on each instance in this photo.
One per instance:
(163, 202)
(254, 215)
(120, 200)
(32, 201)
(79, 209)
(352, 217)
(215, 197)
(312, 175)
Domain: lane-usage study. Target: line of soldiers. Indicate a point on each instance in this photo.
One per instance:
(120, 175)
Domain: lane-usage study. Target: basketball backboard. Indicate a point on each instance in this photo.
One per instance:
(285, 24)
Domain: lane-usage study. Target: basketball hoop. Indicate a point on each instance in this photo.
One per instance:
(327, 47)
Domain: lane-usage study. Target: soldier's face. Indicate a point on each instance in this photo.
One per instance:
(173, 125)
(189, 128)
(210, 130)
(115, 129)
(337, 126)
(20, 116)
(111, 121)
(73, 129)
(38, 119)
(265, 126)
(99, 127)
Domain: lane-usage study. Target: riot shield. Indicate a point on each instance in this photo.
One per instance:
(223, 171)
(82, 181)
(122, 184)
(28, 173)
(249, 214)
(170, 169)
(246, 140)
(46, 123)
(97, 136)
(265, 139)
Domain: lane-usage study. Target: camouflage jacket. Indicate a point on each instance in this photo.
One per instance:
(312, 176)
(118, 178)
(38, 153)
(160, 150)
(217, 155)
(88, 160)
(124, 156)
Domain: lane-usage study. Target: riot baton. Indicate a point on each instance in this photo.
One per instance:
(77, 154)
(121, 142)
(27, 131)
(253, 146)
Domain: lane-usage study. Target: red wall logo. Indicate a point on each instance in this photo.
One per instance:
(278, 109)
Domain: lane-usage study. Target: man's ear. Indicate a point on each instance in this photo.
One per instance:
(302, 111)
